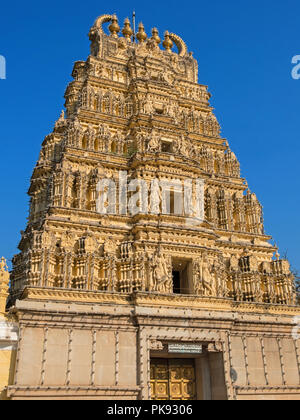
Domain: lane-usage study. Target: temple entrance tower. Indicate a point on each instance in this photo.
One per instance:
(142, 234)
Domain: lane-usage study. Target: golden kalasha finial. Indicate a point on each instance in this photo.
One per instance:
(127, 31)
(168, 43)
(155, 36)
(114, 27)
(141, 35)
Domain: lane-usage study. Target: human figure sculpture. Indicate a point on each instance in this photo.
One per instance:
(203, 279)
(156, 197)
(148, 107)
(220, 280)
(206, 277)
(198, 287)
(153, 142)
(181, 146)
(160, 281)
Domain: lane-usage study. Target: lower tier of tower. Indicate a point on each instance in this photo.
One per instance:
(143, 346)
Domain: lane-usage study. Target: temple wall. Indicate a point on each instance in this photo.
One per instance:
(8, 334)
(103, 351)
(266, 367)
(8, 340)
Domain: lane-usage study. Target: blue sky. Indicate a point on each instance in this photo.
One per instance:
(244, 51)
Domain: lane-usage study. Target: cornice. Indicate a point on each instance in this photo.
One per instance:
(65, 295)
(71, 392)
(141, 299)
(267, 390)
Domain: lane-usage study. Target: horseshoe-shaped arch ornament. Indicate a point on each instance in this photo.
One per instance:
(180, 44)
(101, 20)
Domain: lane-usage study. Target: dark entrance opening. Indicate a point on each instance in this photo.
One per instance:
(176, 282)
(166, 147)
(182, 276)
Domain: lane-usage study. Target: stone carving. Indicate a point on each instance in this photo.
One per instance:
(181, 145)
(180, 44)
(215, 347)
(156, 345)
(3, 265)
(125, 98)
(219, 272)
(234, 263)
(153, 142)
(171, 110)
(109, 247)
(160, 273)
(148, 107)
(108, 280)
(203, 279)
(206, 277)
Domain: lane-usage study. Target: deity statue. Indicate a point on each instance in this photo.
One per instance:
(153, 142)
(148, 107)
(140, 140)
(160, 280)
(156, 197)
(219, 272)
(204, 281)
(171, 110)
(198, 287)
(271, 290)
(181, 146)
(206, 277)
(257, 289)
(191, 151)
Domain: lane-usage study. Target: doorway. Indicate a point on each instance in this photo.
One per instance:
(173, 379)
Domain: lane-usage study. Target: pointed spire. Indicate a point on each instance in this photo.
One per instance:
(4, 282)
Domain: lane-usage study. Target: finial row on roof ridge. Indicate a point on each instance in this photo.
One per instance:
(169, 38)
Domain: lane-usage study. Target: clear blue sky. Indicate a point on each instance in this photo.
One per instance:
(244, 51)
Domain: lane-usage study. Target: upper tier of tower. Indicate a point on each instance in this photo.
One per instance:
(123, 47)
(124, 66)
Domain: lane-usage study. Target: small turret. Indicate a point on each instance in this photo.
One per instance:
(4, 283)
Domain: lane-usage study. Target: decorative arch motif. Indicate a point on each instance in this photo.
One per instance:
(101, 20)
(180, 44)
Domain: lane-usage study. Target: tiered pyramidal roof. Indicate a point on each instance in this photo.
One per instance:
(136, 113)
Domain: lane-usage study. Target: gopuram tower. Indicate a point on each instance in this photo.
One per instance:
(144, 270)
